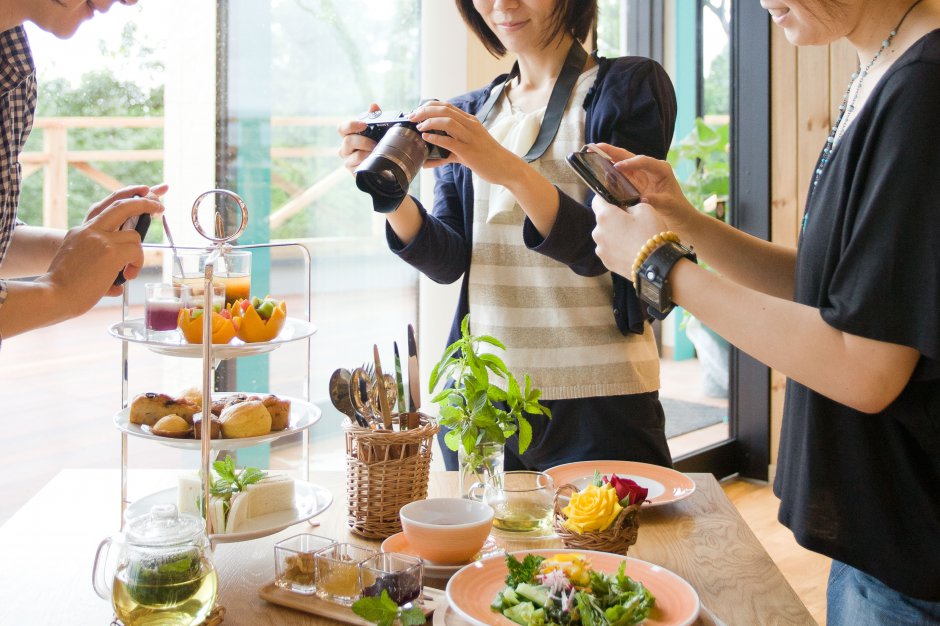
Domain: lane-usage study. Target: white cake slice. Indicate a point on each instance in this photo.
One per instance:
(189, 494)
(271, 495)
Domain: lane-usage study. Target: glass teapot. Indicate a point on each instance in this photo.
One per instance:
(164, 572)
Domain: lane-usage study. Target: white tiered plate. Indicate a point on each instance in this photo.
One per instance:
(309, 501)
(133, 330)
(303, 415)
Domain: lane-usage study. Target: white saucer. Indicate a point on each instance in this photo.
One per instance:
(399, 543)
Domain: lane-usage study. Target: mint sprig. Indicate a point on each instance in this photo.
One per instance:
(383, 611)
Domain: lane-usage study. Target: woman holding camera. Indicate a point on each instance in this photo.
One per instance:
(850, 316)
(513, 221)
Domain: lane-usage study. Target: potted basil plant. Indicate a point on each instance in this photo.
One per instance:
(479, 414)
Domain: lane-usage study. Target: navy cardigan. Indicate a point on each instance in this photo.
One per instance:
(632, 104)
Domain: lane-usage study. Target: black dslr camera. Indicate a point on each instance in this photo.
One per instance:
(396, 159)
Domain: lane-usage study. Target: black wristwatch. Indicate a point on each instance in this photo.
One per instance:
(652, 279)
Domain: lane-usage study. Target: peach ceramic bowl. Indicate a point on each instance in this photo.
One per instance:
(446, 531)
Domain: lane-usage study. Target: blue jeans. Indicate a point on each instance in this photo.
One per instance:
(856, 599)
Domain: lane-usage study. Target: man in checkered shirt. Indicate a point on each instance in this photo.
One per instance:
(77, 268)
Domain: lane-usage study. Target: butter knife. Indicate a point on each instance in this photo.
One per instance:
(383, 394)
(402, 423)
(414, 378)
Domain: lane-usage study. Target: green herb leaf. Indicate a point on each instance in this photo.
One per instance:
(523, 572)
(525, 434)
(598, 480)
(412, 617)
(381, 610)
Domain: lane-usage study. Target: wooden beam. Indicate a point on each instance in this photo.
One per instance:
(105, 180)
(305, 199)
(55, 184)
(84, 156)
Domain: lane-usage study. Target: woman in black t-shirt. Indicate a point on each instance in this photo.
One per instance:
(852, 316)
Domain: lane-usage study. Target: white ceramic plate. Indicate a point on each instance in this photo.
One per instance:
(665, 485)
(399, 543)
(303, 415)
(309, 500)
(133, 330)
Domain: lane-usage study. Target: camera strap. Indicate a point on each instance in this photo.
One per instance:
(557, 101)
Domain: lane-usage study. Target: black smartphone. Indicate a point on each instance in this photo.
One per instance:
(141, 224)
(596, 168)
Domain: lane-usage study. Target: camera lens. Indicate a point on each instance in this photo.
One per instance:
(393, 164)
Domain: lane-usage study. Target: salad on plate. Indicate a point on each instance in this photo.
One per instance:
(563, 590)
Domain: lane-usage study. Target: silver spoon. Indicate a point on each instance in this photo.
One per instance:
(391, 391)
(339, 392)
(359, 384)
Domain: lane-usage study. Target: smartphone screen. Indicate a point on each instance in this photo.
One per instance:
(597, 171)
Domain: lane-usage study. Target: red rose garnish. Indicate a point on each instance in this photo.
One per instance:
(628, 491)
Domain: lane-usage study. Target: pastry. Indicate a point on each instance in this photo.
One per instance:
(221, 404)
(215, 427)
(246, 419)
(147, 408)
(172, 426)
(278, 408)
(193, 394)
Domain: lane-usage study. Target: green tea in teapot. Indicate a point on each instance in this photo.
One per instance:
(177, 589)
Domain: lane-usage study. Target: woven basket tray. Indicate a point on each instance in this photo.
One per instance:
(385, 470)
(618, 537)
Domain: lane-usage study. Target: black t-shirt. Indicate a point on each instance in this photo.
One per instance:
(862, 488)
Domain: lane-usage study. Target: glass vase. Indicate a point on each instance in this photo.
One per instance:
(479, 468)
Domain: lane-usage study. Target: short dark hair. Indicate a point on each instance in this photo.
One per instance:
(573, 16)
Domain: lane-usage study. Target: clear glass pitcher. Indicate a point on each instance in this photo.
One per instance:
(164, 572)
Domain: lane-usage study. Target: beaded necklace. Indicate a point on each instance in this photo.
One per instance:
(846, 109)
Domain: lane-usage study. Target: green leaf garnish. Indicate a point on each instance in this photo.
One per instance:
(523, 572)
(383, 611)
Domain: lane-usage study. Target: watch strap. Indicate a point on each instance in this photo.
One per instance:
(653, 277)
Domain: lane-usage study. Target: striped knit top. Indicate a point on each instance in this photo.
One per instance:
(557, 326)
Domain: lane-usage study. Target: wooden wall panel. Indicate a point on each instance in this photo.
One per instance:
(784, 165)
(806, 90)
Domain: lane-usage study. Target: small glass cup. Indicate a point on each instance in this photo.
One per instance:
(295, 564)
(398, 574)
(190, 270)
(162, 307)
(234, 271)
(338, 566)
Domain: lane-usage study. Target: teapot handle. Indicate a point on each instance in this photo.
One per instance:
(98, 581)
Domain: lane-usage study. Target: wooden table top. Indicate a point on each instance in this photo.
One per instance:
(47, 549)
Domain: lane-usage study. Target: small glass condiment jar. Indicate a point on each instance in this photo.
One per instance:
(294, 562)
(338, 572)
(398, 574)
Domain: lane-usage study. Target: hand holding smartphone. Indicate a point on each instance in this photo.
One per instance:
(596, 168)
(141, 224)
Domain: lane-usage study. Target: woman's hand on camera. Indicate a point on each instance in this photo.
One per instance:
(355, 147)
(470, 144)
(620, 233)
(657, 184)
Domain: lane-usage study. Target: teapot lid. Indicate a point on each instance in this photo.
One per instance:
(164, 526)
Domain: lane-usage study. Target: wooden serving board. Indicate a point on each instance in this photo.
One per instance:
(433, 598)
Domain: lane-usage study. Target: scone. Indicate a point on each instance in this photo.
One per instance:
(278, 408)
(246, 419)
(221, 404)
(172, 426)
(147, 408)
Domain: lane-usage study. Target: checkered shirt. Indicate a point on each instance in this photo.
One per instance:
(17, 105)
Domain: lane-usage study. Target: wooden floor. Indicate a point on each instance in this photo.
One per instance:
(60, 385)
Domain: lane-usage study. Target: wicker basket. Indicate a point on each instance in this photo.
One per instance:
(385, 470)
(618, 537)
